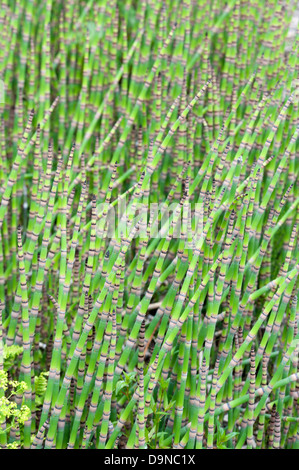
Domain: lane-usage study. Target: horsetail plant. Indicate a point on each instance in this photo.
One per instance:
(149, 215)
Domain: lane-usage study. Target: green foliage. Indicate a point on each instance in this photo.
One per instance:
(223, 439)
(10, 354)
(136, 338)
(40, 387)
(10, 413)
